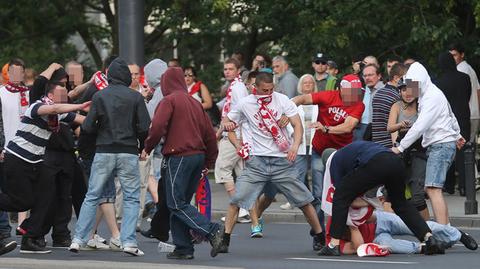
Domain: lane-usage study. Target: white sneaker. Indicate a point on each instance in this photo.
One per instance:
(115, 244)
(286, 206)
(97, 242)
(134, 251)
(223, 219)
(243, 216)
(74, 247)
(164, 247)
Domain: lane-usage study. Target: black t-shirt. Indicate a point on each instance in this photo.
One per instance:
(86, 142)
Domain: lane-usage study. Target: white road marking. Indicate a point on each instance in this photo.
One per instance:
(352, 261)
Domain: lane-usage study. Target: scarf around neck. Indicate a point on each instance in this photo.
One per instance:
(270, 123)
(100, 80)
(18, 89)
(52, 119)
(228, 100)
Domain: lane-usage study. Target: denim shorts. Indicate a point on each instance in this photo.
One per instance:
(259, 171)
(439, 158)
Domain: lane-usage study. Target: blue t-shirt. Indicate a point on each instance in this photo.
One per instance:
(351, 157)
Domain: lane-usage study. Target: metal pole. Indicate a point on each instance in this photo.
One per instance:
(471, 205)
(130, 30)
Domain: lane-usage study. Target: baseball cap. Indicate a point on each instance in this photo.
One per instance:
(332, 64)
(401, 83)
(320, 57)
(351, 81)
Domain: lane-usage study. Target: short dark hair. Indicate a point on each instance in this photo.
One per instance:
(393, 58)
(252, 74)
(398, 69)
(457, 46)
(17, 62)
(191, 68)
(233, 61)
(263, 77)
(51, 85)
(108, 61)
(176, 60)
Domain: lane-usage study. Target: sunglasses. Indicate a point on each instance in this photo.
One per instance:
(320, 62)
(189, 75)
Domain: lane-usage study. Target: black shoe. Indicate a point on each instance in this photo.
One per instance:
(62, 243)
(468, 241)
(179, 256)
(30, 245)
(149, 234)
(7, 246)
(148, 209)
(318, 241)
(434, 246)
(40, 241)
(217, 242)
(461, 191)
(328, 251)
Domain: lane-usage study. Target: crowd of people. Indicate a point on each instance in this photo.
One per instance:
(358, 153)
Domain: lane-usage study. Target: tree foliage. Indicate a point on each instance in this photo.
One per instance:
(204, 30)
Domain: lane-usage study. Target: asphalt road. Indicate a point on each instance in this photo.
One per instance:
(284, 246)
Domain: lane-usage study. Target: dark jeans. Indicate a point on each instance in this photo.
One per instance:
(56, 175)
(383, 169)
(181, 181)
(79, 188)
(5, 228)
(23, 191)
(160, 225)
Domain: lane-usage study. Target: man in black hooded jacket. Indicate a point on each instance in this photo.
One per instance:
(457, 88)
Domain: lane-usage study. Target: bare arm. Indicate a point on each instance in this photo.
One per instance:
(62, 108)
(47, 73)
(304, 99)
(79, 90)
(297, 137)
(346, 127)
(207, 102)
(79, 119)
(232, 137)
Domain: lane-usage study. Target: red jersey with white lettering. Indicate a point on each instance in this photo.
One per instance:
(332, 112)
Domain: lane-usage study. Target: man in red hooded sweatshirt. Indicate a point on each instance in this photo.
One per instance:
(190, 148)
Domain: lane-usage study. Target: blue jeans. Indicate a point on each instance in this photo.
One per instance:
(318, 169)
(104, 167)
(439, 158)
(182, 177)
(389, 224)
(5, 229)
(359, 131)
(108, 193)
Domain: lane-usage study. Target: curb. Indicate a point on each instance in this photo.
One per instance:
(297, 217)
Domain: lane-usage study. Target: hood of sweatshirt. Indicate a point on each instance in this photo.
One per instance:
(446, 62)
(118, 73)
(173, 80)
(417, 72)
(154, 71)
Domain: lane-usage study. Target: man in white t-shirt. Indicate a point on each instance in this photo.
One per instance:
(272, 155)
(228, 159)
(458, 52)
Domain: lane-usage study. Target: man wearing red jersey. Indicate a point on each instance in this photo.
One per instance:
(339, 113)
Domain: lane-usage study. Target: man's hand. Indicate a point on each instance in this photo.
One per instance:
(283, 121)
(55, 66)
(292, 153)
(85, 106)
(395, 150)
(316, 125)
(204, 172)
(143, 155)
(229, 126)
(460, 143)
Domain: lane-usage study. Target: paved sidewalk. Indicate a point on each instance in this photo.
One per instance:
(275, 214)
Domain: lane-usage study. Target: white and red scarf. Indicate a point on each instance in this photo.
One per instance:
(228, 101)
(100, 80)
(19, 89)
(244, 151)
(52, 119)
(271, 124)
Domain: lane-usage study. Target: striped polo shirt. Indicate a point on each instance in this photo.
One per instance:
(33, 133)
(381, 105)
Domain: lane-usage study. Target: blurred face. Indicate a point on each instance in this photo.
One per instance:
(189, 77)
(370, 76)
(75, 73)
(308, 85)
(264, 88)
(411, 91)
(135, 70)
(173, 64)
(58, 95)
(389, 66)
(457, 56)
(230, 71)
(16, 74)
(351, 96)
(258, 62)
(279, 67)
(332, 71)
(319, 66)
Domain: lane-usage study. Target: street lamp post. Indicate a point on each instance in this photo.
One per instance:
(130, 30)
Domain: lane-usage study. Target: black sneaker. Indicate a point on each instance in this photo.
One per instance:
(468, 241)
(328, 251)
(40, 241)
(7, 246)
(217, 242)
(148, 234)
(62, 243)
(30, 245)
(434, 246)
(179, 256)
(318, 241)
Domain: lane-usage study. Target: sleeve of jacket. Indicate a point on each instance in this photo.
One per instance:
(143, 122)
(90, 123)
(210, 142)
(159, 126)
(425, 118)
